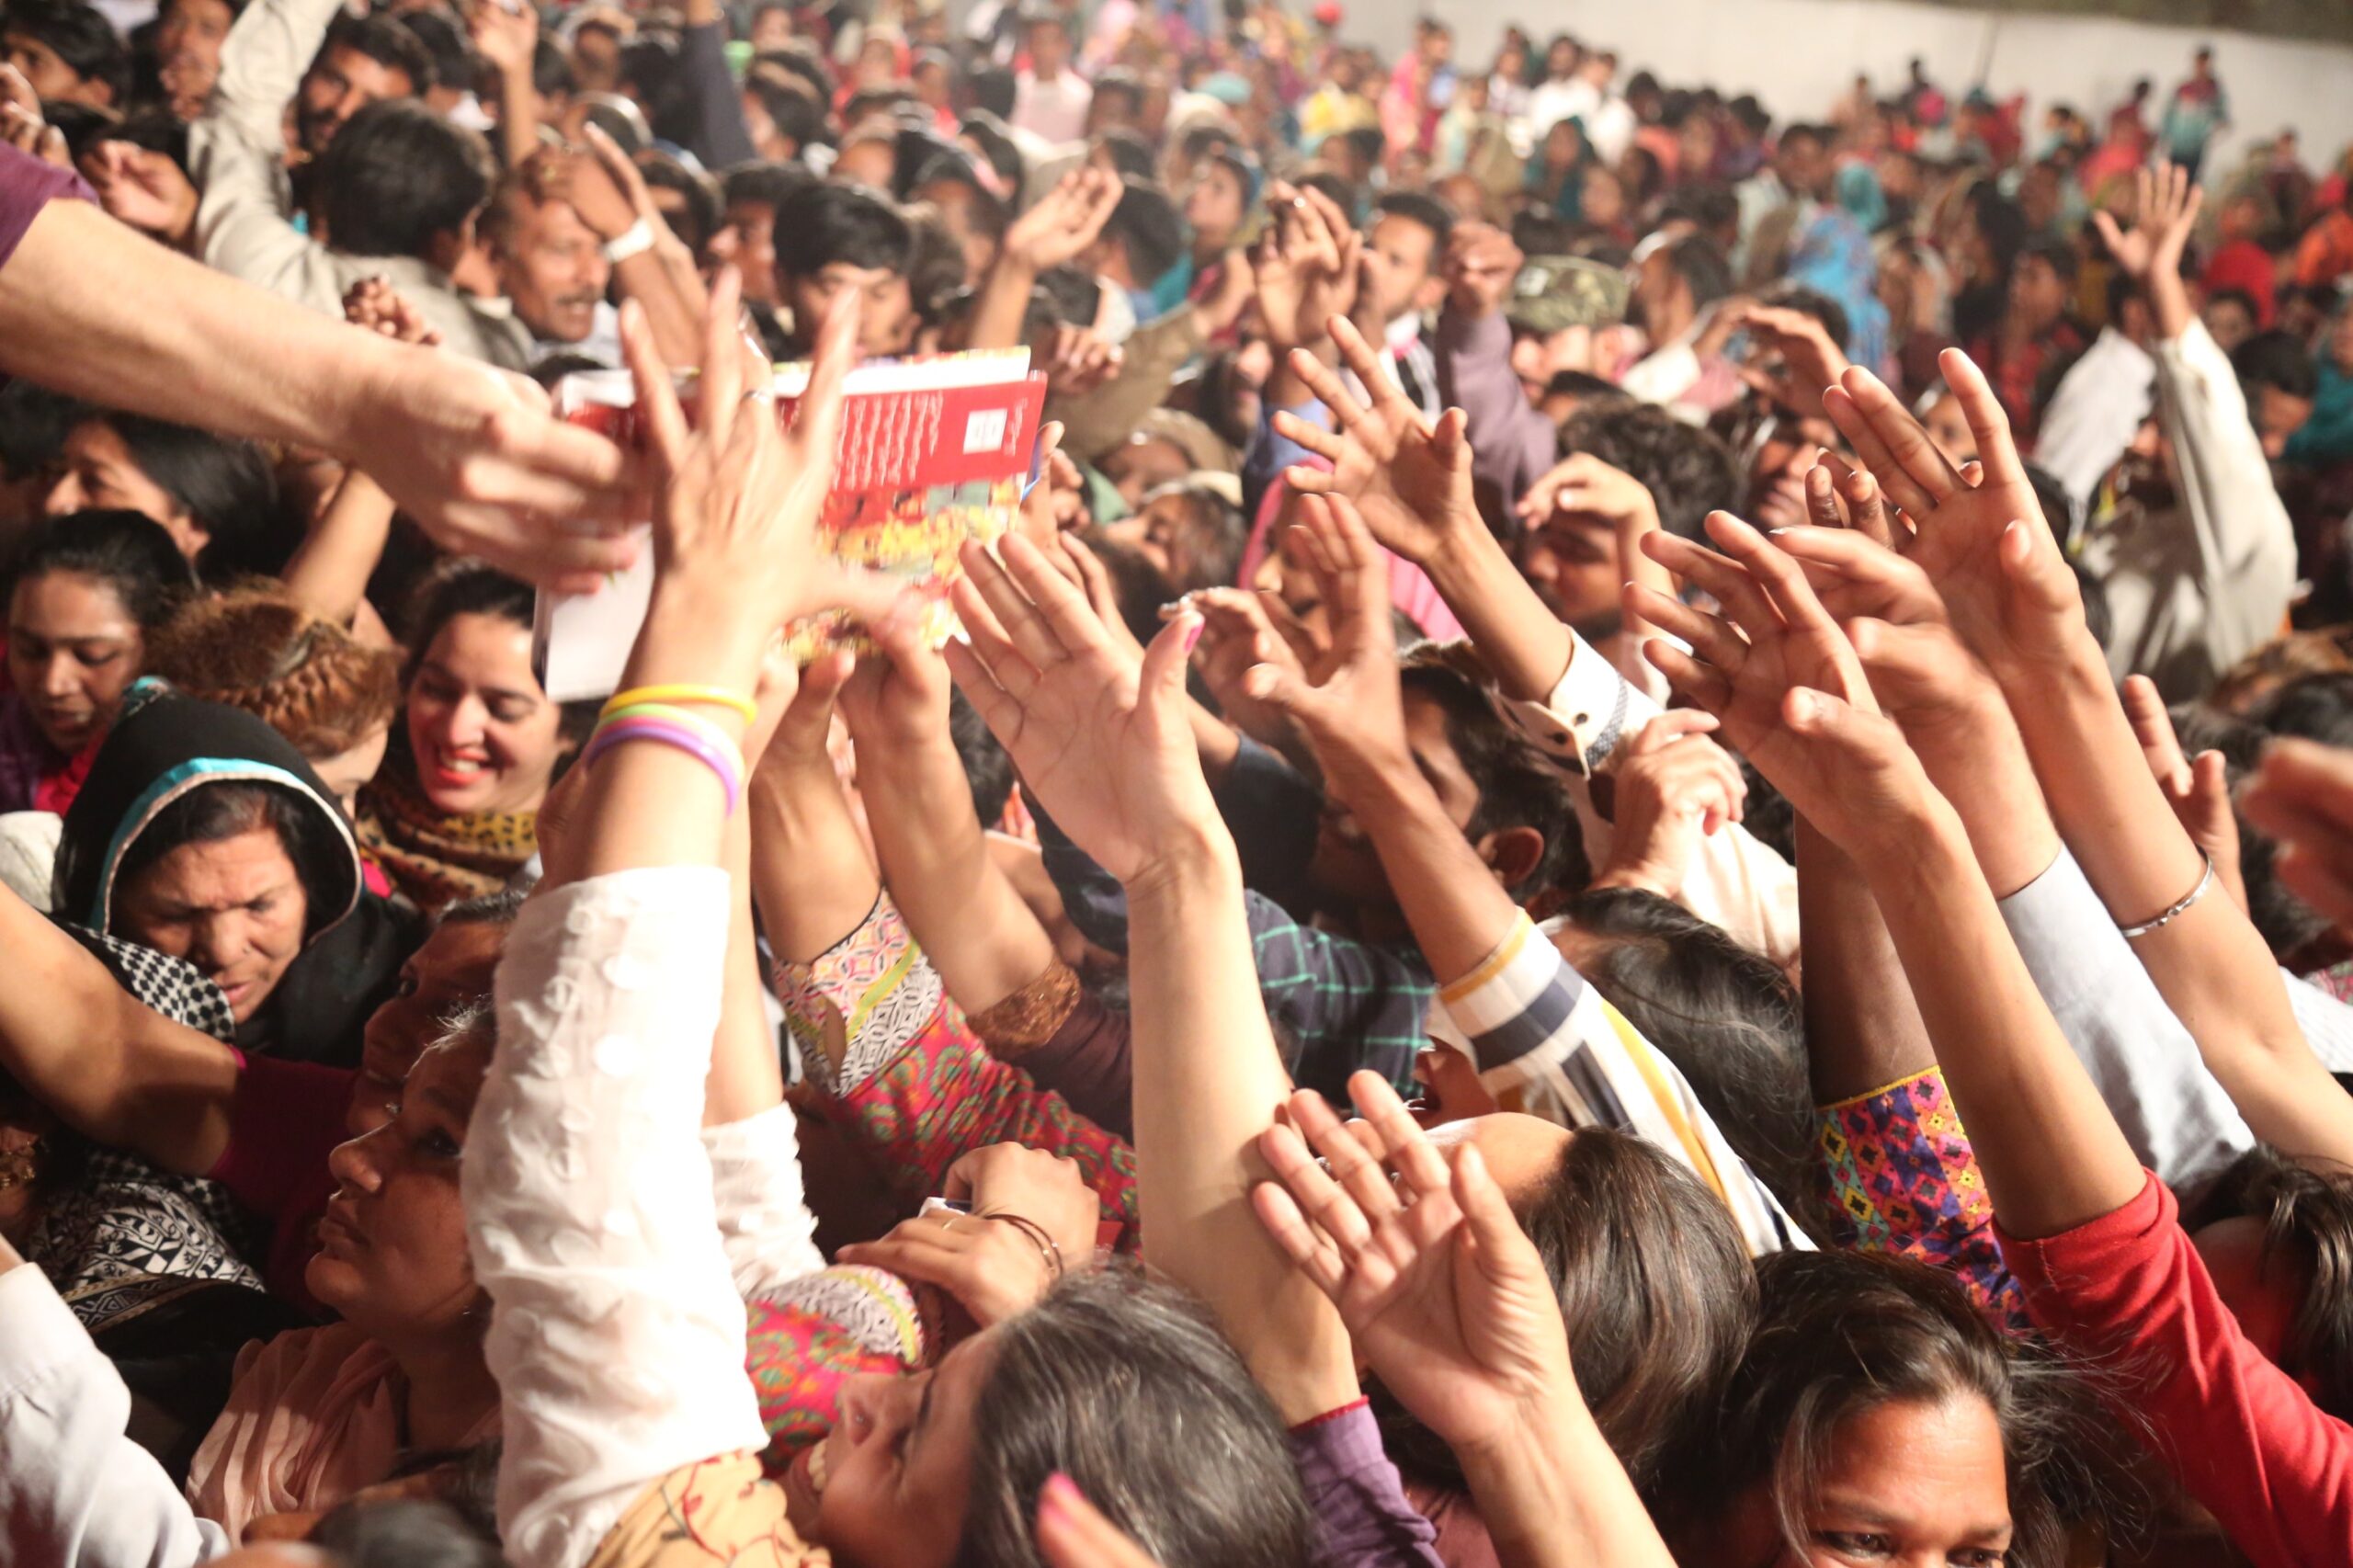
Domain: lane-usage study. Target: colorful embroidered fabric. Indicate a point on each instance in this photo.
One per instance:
(1904, 1180)
(827, 1329)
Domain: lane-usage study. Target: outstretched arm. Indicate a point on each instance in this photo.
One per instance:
(1105, 746)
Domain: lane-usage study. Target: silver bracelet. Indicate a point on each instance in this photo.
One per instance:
(2179, 910)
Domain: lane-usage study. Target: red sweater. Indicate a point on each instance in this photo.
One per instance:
(2236, 1432)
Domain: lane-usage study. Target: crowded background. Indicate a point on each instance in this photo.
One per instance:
(1641, 854)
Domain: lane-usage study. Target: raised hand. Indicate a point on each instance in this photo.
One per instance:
(1806, 363)
(584, 182)
(1305, 267)
(1784, 681)
(1354, 711)
(1410, 478)
(142, 188)
(2161, 223)
(1984, 543)
(375, 304)
(1238, 635)
(1481, 262)
(1440, 1290)
(1675, 787)
(22, 125)
(1064, 222)
(506, 35)
(739, 497)
(2198, 788)
(1079, 360)
(1104, 745)
(898, 696)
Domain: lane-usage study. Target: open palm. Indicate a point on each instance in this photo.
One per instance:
(1103, 744)
(1409, 477)
(1442, 1293)
(1980, 537)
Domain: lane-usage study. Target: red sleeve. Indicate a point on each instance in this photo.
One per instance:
(2238, 1432)
(285, 1120)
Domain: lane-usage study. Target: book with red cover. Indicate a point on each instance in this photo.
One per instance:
(933, 453)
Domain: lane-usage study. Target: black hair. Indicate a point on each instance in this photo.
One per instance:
(799, 118)
(2274, 358)
(80, 37)
(1347, 198)
(915, 148)
(2306, 1209)
(702, 215)
(404, 1533)
(1700, 263)
(1368, 143)
(2311, 707)
(1151, 228)
(988, 131)
(651, 74)
(1689, 472)
(1839, 1333)
(129, 552)
(82, 125)
(801, 59)
(1542, 233)
(210, 813)
(1426, 210)
(397, 177)
(1791, 296)
(1710, 204)
(1729, 1019)
(33, 425)
(1806, 130)
(455, 65)
(1121, 82)
(1518, 788)
(762, 181)
(1131, 155)
(551, 74)
(993, 91)
(2057, 253)
(223, 481)
(1217, 533)
(988, 769)
(1128, 1388)
(821, 225)
(1590, 390)
(389, 44)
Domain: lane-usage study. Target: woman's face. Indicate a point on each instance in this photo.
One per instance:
(1562, 145)
(392, 1251)
(1605, 198)
(1213, 206)
(72, 649)
(891, 1483)
(99, 473)
(345, 771)
(454, 967)
(233, 908)
(1908, 1481)
(485, 735)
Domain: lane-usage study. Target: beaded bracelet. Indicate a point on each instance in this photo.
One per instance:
(723, 760)
(681, 691)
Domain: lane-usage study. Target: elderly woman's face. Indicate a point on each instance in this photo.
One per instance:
(233, 908)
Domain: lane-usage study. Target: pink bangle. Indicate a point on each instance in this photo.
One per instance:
(730, 771)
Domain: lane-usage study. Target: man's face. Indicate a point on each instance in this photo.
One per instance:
(53, 80)
(2228, 322)
(1407, 252)
(341, 83)
(1804, 165)
(1777, 484)
(553, 269)
(1345, 862)
(1572, 562)
(749, 241)
(883, 326)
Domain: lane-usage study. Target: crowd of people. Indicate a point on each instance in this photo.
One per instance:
(1642, 853)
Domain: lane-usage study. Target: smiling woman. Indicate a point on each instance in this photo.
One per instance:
(86, 591)
(453, 813)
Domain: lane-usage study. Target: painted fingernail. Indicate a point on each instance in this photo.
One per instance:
(1192, 632)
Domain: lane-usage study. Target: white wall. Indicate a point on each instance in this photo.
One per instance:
(1798, 56)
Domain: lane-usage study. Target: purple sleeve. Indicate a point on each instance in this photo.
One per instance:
(1511, 443)
(1363, 1518)
(719, 111)
(26, 185)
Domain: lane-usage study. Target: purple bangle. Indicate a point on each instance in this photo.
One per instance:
(678, 735)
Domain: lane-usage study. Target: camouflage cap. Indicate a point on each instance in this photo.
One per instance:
(1553, 293)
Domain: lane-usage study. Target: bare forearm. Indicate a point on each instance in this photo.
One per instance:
(1458, 911)
(329, 571)
(972, 923)
(518, 118)
(1560, 1498)
(1207, 1083)
(1863, 1030)
(675, 317)
(1004, 304)
(1980, 765)
(225, 354)
(2053, 1156)
(809, 872)
(1524, 645)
